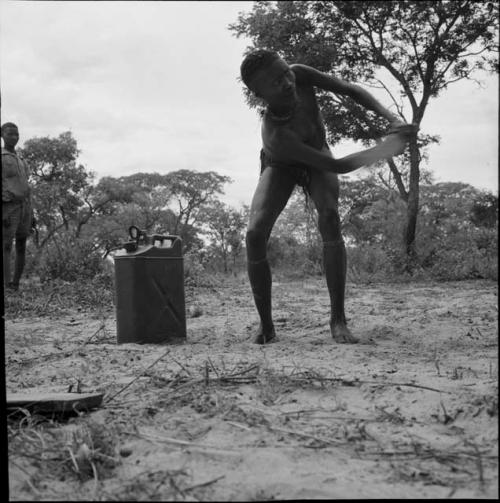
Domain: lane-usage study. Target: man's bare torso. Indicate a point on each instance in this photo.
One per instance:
(306, 122)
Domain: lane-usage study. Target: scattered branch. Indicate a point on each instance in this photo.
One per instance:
(135, 379)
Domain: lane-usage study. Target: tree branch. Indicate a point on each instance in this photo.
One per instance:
(398, 179)
(385, 62)
(415, 50)
(50, 234)
(487, 48)
(399, 108)
(431, 62)
(468, 77)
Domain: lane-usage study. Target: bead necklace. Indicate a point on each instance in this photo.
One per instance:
(282, 118)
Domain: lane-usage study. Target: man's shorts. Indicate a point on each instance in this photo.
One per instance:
(17, 218)
(301, 174)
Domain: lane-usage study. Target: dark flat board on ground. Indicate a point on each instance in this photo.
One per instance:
(54, 402)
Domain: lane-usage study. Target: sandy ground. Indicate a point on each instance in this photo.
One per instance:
(409, 412)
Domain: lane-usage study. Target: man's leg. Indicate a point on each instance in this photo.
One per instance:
(271, 195)
(9, 225)
(20, 260)
(22, 233)
(7, 249)
(324, 189)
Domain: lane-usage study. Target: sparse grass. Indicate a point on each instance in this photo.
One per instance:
(58, 297)
(152, 485)
(75, 452)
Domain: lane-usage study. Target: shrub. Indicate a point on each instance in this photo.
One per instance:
(69, 259)
(370, 262)
(195, 274)
(462, 259)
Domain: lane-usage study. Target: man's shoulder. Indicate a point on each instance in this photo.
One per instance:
(9, 153)
(8, 157)
(303, 73)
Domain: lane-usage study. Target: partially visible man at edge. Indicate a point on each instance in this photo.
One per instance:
(295, 152)
(17, 213)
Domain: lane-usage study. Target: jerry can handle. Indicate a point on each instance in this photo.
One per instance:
(162, 237)
(136, 234)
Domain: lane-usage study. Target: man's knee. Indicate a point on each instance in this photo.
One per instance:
(256, 243)
(21, 245)
(255, 237)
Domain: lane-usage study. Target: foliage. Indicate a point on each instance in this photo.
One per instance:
(368, 262)
(133, 200)
(457, 229)
(60, 184)
(80, 221)
(295, 241)
(69, 259)
(192, 192)
(484, 210)
(173, 203)
(196, 273)
(454, 246)
(225, 230)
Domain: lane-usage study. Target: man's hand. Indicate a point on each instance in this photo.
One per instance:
(394, 144)
(403, 128)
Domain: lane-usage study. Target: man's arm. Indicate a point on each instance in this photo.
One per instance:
(285, 146)
(308, 75)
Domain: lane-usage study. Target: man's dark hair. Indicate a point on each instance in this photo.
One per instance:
(255, 61)
(7, 125)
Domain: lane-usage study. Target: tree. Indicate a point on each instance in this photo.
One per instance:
(484, 211)
(411, 49)
(189, 194)
(170, 203)
(225, 228)
(145, 197)
(60, 184)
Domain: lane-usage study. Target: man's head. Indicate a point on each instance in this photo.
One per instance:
(269, 77)
(10, 134)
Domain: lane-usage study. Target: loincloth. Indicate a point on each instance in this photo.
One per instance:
(299, 172)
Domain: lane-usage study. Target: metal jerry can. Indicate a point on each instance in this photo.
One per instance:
(149, 290)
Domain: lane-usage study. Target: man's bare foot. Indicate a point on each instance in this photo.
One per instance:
(342, 334)
(264, 337)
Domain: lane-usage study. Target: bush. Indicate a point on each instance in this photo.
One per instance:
(295, 259)
(370, 262)
(463, 259)
(195, 274)
(70, 260)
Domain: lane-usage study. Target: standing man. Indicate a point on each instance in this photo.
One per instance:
(295, 151)
(17, 215)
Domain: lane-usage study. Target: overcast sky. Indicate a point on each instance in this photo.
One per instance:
(152, 87)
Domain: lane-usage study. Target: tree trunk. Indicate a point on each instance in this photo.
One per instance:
(224, 258)
(413, 203)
